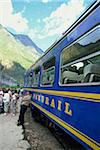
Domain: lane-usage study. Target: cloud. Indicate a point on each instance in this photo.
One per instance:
(63, 17)
(12, 20)
(59, 20)
(45, 1)
(35, 34)
(38, 20)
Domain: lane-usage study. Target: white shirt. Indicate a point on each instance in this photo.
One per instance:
(1, 99)
(6, 97)
(10, 93)
(1, 92)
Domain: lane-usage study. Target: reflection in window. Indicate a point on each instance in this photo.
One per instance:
(48, 72)
(85, 46)
(84, 71)
(26, 80)
(30, 78)
(36, 75)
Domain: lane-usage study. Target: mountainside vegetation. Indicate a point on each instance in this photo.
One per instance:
(14, 56)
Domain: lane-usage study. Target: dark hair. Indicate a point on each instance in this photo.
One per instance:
(5, 90)
(15, 91)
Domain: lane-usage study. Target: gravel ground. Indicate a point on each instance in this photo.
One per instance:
(11, 137)
(39, 137)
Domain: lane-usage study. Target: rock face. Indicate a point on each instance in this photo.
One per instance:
(15, 56)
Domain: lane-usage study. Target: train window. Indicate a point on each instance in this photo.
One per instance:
(36, 75)
(48, 72)
(25, 80)
(84, 71)
(30, 79)
(88, 44)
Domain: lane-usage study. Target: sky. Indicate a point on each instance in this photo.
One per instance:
(43, 21)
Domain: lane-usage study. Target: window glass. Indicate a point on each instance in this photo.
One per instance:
(36, 75)
(84, 71)
(85, 46)
(25, 80)
(48, 72)
(30, 79)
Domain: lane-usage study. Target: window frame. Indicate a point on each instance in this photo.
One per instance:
(36, 85)
(77, 61)
(49, 85)
(30, 77)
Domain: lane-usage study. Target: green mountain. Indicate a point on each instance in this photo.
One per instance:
(14, 56)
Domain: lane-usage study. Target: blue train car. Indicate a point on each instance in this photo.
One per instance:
(65, 81)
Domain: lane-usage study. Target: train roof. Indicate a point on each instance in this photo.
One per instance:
(82, 17)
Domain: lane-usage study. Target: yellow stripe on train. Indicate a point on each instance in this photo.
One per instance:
(78, 95)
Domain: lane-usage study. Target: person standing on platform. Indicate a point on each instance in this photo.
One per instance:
(20, 93)
(14, 102)
(1, 101)
(6, 101)
(24, 105)
(1, 91)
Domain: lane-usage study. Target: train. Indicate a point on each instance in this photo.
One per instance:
(65, 81)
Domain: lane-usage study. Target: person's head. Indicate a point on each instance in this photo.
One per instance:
(15, 91)
(27, 93)
(6, 91)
